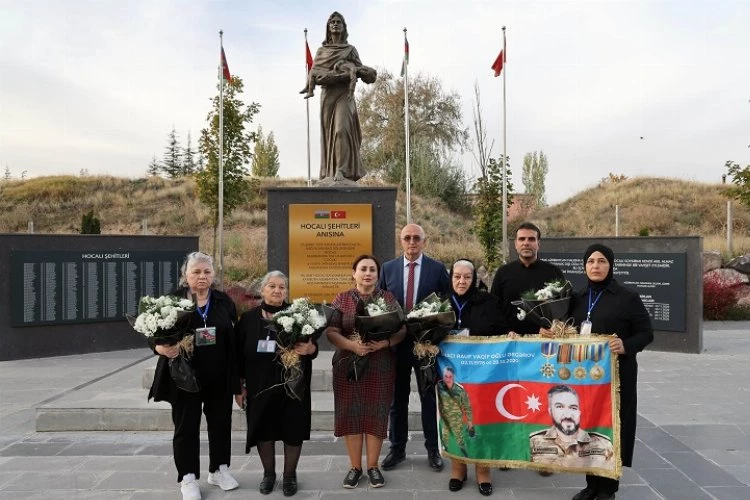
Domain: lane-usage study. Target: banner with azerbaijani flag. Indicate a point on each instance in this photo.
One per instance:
(531, 403)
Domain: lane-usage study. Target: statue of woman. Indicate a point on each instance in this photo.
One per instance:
(336, 68)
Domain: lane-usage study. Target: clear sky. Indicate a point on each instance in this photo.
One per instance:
(656, 88)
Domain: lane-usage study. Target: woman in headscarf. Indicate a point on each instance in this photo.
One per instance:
(336, 62)
(605, 307)
(480, 313)
(272, 415)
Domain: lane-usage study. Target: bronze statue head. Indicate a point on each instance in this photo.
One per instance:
(344, 32)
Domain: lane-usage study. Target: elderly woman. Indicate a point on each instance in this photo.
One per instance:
(271, 414)
(336, 68)
(606, 307)
(361, 406)
(213, 362)
(480, 313)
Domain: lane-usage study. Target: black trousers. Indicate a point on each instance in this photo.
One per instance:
(186, 415)
(398, 432)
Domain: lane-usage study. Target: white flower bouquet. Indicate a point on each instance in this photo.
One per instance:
(429, 323)
(300, 322)
(545, 305)
(377, 320)
(165, 320)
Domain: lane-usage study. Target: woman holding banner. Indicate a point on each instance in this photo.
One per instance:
(480, 313)
(605, 307)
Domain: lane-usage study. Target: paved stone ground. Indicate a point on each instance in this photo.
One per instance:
(693, 439)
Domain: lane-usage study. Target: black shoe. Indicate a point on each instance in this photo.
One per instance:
(376, 477)
(585, 494)
(456, 484)
(545, 473)
(485, 489)
(289, 485)
(435, 460)
(605, 496)
(392, 459)
(267, 483)
(352, 478)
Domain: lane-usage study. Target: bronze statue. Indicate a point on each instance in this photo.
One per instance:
(336, 69)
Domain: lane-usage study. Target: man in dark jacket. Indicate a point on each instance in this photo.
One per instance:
(411, 278)
(527, 273)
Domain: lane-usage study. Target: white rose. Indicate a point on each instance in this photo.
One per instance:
(308, 330)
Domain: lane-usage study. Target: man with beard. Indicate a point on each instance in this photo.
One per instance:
(565, 443)
(526, 273)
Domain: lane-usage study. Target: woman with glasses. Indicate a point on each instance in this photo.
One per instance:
(213, 362)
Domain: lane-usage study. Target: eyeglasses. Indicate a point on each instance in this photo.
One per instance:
(412, 237)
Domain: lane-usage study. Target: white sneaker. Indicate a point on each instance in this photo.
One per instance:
(189, 488)
(223, 479)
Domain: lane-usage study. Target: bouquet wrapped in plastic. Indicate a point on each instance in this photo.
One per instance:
(429, 323)
(300, 322)
(375, 320)
(165, 320)
(548, 307)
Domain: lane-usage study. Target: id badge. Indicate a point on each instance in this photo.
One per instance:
(586, 327)
(205, 336)
(266, 345)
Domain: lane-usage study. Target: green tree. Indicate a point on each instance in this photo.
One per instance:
(266, 156)
(741, 180)
(435, 127)
(90, 224)
(535, 168)
(172, 164)
(488, 210)
(189, 165)
(238, 141)
(154, 169)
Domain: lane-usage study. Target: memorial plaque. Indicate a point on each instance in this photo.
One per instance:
(659, 278)
(80, 287)
(323, 242)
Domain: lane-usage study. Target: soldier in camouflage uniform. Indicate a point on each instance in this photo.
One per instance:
(454, 406)
(565, 443)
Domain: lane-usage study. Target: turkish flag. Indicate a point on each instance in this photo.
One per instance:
(497, 66)
(338, 214)
(308, 57)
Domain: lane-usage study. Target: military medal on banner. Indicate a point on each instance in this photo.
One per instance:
(549, 351)
(596, 351)
(564, 357)
(580, 354)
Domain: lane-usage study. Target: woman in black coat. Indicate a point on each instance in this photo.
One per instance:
(605, 307)
(271, 414)
(214, 365)
(480, 313)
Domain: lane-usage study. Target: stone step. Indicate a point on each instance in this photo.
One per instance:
(322, 378)
(118, 403)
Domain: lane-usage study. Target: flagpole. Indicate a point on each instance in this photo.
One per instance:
(406, 128)
(505, 164)
(307, 109)
(220, 235)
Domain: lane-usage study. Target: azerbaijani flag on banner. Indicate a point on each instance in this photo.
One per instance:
(405, 62)
(225, 66)
(308, 57)
(520, 403)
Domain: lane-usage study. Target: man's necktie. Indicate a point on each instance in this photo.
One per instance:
(409, 299)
